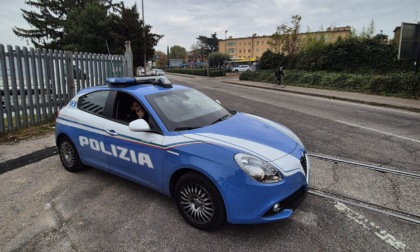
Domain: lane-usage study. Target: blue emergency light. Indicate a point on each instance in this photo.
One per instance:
(129, 81)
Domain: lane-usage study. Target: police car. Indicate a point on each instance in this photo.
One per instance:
(219, 165)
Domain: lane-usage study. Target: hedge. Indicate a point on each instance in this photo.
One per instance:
(196, 71)
(396, 84)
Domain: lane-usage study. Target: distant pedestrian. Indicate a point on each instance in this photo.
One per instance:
(279, 73)
(279, 76)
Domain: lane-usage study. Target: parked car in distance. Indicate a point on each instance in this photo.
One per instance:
(241, 68)
(219, 165)
(158, 72)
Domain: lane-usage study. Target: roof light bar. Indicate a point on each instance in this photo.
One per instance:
(129, 81)
(120, 80)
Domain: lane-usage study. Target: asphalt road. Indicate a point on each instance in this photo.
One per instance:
(343, 129)
(45, 208)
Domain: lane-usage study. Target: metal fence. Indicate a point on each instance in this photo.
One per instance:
(35, 83)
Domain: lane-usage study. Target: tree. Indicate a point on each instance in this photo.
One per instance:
(127, 26)
(47, 24)
(284, 40)
(208, 45)
(217, 59)
(161, 59)
(197, 53)
(177, 52)
(167, 55)
(87, 29)
(313, 48)
(271, 60)
(88, 26)
(367, 33)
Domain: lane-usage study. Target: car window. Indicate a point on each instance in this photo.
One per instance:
(93, 102)
(123, 111)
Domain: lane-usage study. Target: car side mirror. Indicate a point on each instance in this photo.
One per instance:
(139, 125)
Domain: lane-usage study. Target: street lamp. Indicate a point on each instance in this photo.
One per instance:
(225, 42)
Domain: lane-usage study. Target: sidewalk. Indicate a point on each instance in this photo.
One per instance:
(383, 101)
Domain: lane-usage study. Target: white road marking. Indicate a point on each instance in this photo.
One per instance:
(382, 132)
(362, 220)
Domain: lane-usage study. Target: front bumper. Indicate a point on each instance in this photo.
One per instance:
(252, 202)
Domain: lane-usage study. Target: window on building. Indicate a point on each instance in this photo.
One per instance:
(231, 43)
(258, 42)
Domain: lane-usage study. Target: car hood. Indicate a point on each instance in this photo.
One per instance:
(249, 134)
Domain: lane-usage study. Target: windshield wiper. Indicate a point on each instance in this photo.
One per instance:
(221, 118)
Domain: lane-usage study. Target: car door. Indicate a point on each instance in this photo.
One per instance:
(134, 155)
(89, 120)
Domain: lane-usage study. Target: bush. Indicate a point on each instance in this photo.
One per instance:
(270, 60)
(353, 55)
(395, 84)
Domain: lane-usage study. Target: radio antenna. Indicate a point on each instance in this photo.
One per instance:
(112, 62)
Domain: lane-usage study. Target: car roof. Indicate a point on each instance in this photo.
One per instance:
(144, 85)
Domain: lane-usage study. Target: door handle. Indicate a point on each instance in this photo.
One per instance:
(112, 132)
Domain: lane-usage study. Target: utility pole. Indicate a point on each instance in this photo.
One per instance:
(225, 42)
(144, 35)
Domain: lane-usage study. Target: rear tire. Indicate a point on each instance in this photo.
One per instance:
(69, 156)
(199, 202)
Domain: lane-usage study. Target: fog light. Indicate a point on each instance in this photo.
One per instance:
(276, 208)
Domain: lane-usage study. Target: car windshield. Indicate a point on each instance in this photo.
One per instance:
(186, 109)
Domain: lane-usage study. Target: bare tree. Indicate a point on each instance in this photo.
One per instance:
(161, 59)
(368, 32)
(285, 39)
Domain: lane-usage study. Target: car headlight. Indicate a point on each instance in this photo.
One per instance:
(258, 169)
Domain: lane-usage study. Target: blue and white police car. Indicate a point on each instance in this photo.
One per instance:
(219, 165)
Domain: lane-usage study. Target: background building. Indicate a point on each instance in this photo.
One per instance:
(252, 48)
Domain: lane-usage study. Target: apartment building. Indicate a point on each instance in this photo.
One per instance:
(252, 48)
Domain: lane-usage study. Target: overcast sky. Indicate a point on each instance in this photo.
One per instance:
(181, 22)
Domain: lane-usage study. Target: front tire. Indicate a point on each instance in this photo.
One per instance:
(69, 156)
(199, 202)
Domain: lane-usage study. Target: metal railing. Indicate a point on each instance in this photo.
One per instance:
(35, 83)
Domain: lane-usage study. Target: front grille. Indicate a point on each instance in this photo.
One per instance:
(291, 202)
(304, 163)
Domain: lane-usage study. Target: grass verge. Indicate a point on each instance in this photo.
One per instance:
(27, 133)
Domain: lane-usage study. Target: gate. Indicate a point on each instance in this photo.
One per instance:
(35, 83)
